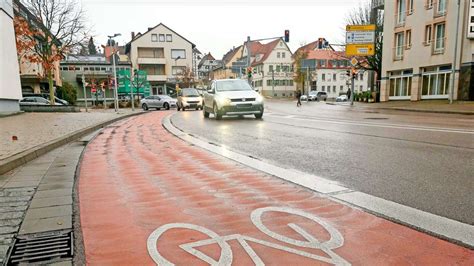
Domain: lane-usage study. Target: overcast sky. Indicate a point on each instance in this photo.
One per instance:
(217, 25)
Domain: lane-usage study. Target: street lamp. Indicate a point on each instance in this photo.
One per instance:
(115, 72)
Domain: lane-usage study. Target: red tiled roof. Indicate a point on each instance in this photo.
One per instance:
(265, 49)
(326, 54)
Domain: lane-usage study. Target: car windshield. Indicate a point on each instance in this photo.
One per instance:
(190, 93)
(312, 93)
(233, 85)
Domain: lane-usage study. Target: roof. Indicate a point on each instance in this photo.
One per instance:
(230, 54)
(206, 58)
(312, 46)
(326, 54)
(139, 35)
(266, 50)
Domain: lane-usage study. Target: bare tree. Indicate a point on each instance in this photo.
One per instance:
(58, 28)
(300, 73)
(362, 15)
(186, 77)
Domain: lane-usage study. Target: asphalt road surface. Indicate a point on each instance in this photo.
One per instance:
(421, 160)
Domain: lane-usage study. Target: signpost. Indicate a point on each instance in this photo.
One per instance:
(360, 40)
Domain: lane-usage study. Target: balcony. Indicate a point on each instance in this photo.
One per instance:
(398, 53)
(156, 77)
(151, 61)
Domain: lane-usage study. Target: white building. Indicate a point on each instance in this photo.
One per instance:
(163, 54)
(272, 68)
(10, 87)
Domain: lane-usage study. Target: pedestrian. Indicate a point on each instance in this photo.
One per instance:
(298, 98)
(348, 94)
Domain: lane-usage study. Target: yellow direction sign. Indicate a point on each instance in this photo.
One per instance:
(370, 27)
(360, 49)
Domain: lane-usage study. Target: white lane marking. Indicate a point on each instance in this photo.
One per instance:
(226, 256)
(396, 126)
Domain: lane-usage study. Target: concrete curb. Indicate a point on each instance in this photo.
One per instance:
(410, 109)
(21, 158)
(438, 226)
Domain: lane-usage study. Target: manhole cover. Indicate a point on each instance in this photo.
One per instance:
(376, 118)
(42, 248)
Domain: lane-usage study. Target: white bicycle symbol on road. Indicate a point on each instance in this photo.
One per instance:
(226, 256)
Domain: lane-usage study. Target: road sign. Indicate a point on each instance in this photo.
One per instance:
(354, 61)
(360, 49)
(358, 37)
(370, 27)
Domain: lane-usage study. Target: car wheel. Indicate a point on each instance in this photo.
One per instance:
(206, 114)
(144, 107)
(260, 115)
(177, 107)
(167, 106)
(216, 113)
(197, 108)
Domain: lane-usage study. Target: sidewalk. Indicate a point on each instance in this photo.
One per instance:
(28, 135)
(429, 106)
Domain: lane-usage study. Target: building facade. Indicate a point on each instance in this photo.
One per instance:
(418, 50)
(98, 75)
(272, 68)
(164, 55)
(10, 88)
(224, 70)
(205, 67)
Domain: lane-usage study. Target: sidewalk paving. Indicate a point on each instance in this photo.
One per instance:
(430, 106)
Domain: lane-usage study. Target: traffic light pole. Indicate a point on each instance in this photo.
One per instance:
(352, 87)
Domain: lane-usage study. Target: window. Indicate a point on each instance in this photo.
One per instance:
(322, 63)
(361, 76)
(270, 68)
(410, 6)
(441, 8)
(162, 37)
(175, 53)
(439, 38)
(401, 13)
(334, 76)
(429, 4)
(400, 84)
(341, 88)
(323, 77)
(178, 70)
(323, 88)
(427, 35)
(435, 82)
(408, 40)
(278, 55)
(398, 46)
(333, 88)
(282, 54)
(278, 68)
(361, 87)
(154, 38)
(169, 38)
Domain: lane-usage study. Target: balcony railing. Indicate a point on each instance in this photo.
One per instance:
(398, 52)
(439, 45)
(439, 10)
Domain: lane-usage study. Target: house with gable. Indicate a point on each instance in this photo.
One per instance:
(163, 54)
(272, 66)
(224, 70)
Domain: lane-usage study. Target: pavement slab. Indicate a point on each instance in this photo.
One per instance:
(147, 197)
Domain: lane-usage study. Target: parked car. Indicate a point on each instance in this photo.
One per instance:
(342, 98)
(232, 97)
(321, 96)
(304, 98)
(35, 100)
(189, 98)
(158, 102)
(313, 96)
(46, 96)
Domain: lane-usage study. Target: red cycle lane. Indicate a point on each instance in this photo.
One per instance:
(147, 197)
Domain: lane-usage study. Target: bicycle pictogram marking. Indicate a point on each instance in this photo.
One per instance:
(226, 257)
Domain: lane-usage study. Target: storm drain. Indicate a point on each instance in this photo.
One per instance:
(42, 248)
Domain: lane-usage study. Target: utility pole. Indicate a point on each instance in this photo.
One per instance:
(352, 87)
(84, 89)
(273, 83)
(131, 90)
(307, 80)
(453, 74)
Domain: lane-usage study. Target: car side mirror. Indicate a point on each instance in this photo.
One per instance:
(211, 91)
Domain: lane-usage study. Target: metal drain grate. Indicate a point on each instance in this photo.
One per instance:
(42, 248)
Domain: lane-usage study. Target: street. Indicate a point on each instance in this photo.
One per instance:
(416, 159)
(145, 197)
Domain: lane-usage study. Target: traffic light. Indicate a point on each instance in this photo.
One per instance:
(249, 72)
(320, 43)
(348, 73)
(287, 35)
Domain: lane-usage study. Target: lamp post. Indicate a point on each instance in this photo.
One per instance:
(115, 72)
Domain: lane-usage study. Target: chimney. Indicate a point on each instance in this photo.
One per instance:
(133, 35)
(150, 28)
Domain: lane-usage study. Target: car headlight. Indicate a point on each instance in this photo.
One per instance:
(224, 101)
(259, 98)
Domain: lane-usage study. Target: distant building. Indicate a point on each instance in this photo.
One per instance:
(197, 56)
(163, 54)
(205, 67)
(224, 70)
(328, 71)
(272, 68)
(98, 74)
(418, 50)
(10, 88)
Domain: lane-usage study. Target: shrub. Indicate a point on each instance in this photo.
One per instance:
(67, 92)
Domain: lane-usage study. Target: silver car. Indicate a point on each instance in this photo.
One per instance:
(158, 102)
(36, 100)
(232, 97)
